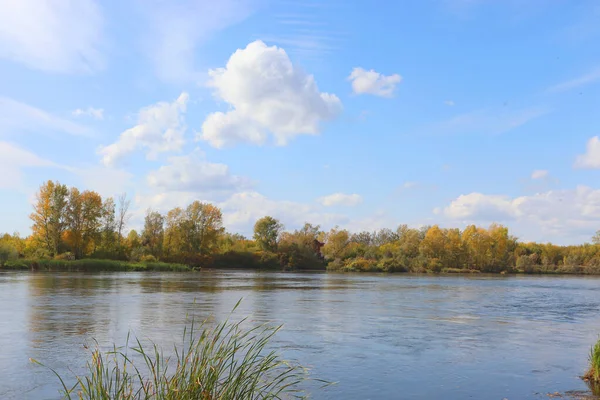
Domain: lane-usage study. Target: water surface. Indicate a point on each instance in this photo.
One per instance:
(378, 336)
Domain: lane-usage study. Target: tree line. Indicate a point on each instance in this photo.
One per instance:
(73, 224)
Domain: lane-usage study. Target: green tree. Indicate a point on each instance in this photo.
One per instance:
(153, 233)
(108, 228)
(266, 233)
(203, 224)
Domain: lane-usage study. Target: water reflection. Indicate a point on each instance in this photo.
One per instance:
(421, 336)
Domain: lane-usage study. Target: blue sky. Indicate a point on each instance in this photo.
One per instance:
(358, 114)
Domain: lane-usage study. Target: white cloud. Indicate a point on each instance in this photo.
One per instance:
(176, 30)
(591, 157)
(586, 79)
(449, 103)
(13, 159)
(192, 173)
(340, 199)
(107, 181)
(266, 93)
(96, 113)
(241, 211)
(160, 128)
(18, 118)
(55, 36)
(568, 215)
(539, 174)
(409, 185)
(371, 82)
(480, 206)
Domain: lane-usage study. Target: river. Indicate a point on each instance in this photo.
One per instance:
(377, 336)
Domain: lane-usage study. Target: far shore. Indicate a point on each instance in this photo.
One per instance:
(100, 265)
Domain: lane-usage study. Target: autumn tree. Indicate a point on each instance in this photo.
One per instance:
(83, 215)
(202, 226)
(108, 226)
(174, 234)
(153, 233)
(336, 243)
(434, 246)
(266, 233)
(49, 212)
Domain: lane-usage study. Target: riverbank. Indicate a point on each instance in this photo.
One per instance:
(90, 265)
(254, 263)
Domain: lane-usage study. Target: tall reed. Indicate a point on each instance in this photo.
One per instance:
(226, 362)
(593, 372)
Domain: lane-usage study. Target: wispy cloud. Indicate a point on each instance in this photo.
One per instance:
(583, 80)
(63, 36)
(13, 159)
(96, 113)
(18, 117)
(305, 28)
(176, 29)
(487, 121)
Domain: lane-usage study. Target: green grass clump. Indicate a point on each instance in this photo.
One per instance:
(226, 362)
(593, 372)
(15, 265)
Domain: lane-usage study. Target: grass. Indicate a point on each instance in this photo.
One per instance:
(225, 362)
(593, 372)
(92, 265)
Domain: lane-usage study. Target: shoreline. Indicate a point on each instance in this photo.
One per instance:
(100, 265)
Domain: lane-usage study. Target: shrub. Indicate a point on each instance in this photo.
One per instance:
(148, 258)
(65, 256)
(360, 265)
(7, 252)
(391, 265)
(15, 265)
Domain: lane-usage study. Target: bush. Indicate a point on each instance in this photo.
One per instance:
(65, 256)
(335, 265)
(391, 265)
(7, 253)
(360, 265)
(15, 265)
(148, 258)
(226, 362)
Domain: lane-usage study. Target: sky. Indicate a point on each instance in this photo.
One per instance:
(357, 114)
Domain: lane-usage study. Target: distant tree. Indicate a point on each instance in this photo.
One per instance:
(153, 233)
(108, 228)
(266, 233)
(596, 237)
(84, 214)
(123, 215)
(336, 243)
(7, 252)
(49, 215)
(203, 224)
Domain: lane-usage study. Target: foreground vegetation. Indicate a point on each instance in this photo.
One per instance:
(593, 372)
(70, 226)
(224, 362)
(592, 375)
